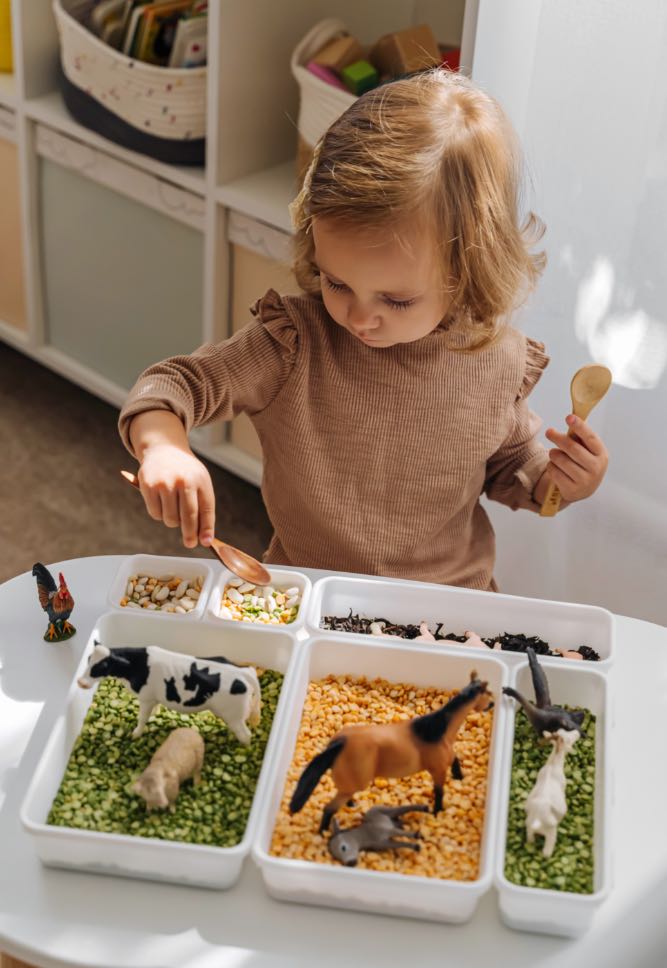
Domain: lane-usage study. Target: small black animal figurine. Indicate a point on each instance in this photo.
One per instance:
(56, 601)
(542, 715)
(379, 829)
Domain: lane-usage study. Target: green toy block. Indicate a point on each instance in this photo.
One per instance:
(359, 77)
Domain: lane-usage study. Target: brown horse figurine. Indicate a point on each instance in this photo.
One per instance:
(359, 754)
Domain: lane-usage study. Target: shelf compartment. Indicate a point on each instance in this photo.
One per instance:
(122, 281)
(13, 310)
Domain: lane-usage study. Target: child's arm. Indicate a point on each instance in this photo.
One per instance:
(175, 485)
(242, 374)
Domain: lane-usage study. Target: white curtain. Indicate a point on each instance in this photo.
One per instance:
(585, 84)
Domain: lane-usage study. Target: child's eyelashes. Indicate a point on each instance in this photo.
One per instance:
(398, 304)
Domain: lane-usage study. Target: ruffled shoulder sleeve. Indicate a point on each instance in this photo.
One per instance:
(535, 364)
(272, 310)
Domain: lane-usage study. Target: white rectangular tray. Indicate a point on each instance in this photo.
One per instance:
(143, 857)
(538, 909)
(562, 624)
(280, 578)
(361, 890)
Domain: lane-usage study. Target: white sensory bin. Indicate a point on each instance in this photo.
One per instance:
(562, 624)
(148, 858)
(539, 909)
(430, 898)
(280, 579)
(156, 566)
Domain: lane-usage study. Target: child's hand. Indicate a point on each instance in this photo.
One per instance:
(579, 463)
(178, 490)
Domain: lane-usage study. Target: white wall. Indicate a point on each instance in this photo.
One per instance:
(586, 87)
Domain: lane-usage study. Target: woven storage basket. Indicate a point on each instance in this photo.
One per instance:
(158, 111)
(320, 103)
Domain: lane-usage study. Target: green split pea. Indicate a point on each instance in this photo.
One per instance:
(96, 790)
(570, 867)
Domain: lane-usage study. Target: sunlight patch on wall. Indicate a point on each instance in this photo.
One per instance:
(632, 344)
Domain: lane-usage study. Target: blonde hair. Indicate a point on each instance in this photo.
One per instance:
(434, 148)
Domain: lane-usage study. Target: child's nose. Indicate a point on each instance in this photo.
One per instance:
(361, 318)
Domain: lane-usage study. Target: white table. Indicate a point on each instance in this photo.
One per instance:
(55, 918)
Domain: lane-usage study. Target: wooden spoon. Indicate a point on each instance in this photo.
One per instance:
(588, 386)
(238, 562)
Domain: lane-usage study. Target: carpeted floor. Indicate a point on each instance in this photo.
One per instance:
(61, 495)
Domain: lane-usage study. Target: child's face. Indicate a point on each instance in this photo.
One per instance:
(384, 289)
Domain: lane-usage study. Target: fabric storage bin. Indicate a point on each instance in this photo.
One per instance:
(320, 103)
(158, 111)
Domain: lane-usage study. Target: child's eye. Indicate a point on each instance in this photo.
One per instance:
(335, 286)
(399, 303)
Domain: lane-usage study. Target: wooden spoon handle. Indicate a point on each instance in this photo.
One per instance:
(551, 502)
(552, 499)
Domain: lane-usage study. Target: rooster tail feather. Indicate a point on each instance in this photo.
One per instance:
(44, 576)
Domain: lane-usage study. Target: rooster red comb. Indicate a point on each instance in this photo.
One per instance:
(61, 579)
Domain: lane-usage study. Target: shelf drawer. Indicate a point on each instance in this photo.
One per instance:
(259, 261)
(12, 287)
(122, 281)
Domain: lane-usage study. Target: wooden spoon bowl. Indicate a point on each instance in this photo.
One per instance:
(238, 562)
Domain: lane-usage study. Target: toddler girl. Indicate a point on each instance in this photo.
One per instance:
(392, 393)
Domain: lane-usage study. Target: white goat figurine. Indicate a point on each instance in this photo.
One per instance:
(545, 805)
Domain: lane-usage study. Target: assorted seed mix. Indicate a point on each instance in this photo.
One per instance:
(96, 790)
(451, 842)
(168, 593)
(570, 867)
(244, 602)
(509, 641)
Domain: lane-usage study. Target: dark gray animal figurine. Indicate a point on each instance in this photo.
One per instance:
(379, 829)
(542, 715)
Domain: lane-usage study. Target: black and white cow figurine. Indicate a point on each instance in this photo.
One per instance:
(181, 682)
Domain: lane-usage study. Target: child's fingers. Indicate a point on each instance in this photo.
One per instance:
(189, 515)
(572, 471)
(576, 451)
(169, 502)
(206, 512)
(587, 437)
(152, 501)
(560, 479)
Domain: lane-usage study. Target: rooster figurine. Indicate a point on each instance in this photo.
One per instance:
(56, 602)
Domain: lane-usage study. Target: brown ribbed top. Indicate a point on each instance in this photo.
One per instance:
(374, 459)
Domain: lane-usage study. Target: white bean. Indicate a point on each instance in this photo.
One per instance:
(187, 603)
(181, 611)
(291, 592)
(246, 587)
(234, 596)
(192, 593)
(270, 604)
(225, 612)
(179, 592)
(162, 594)
(291, 602)
(129, 589)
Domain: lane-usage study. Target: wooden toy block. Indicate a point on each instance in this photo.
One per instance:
(339, 53)
(406, 51)
(325, 74)
(360, 77)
